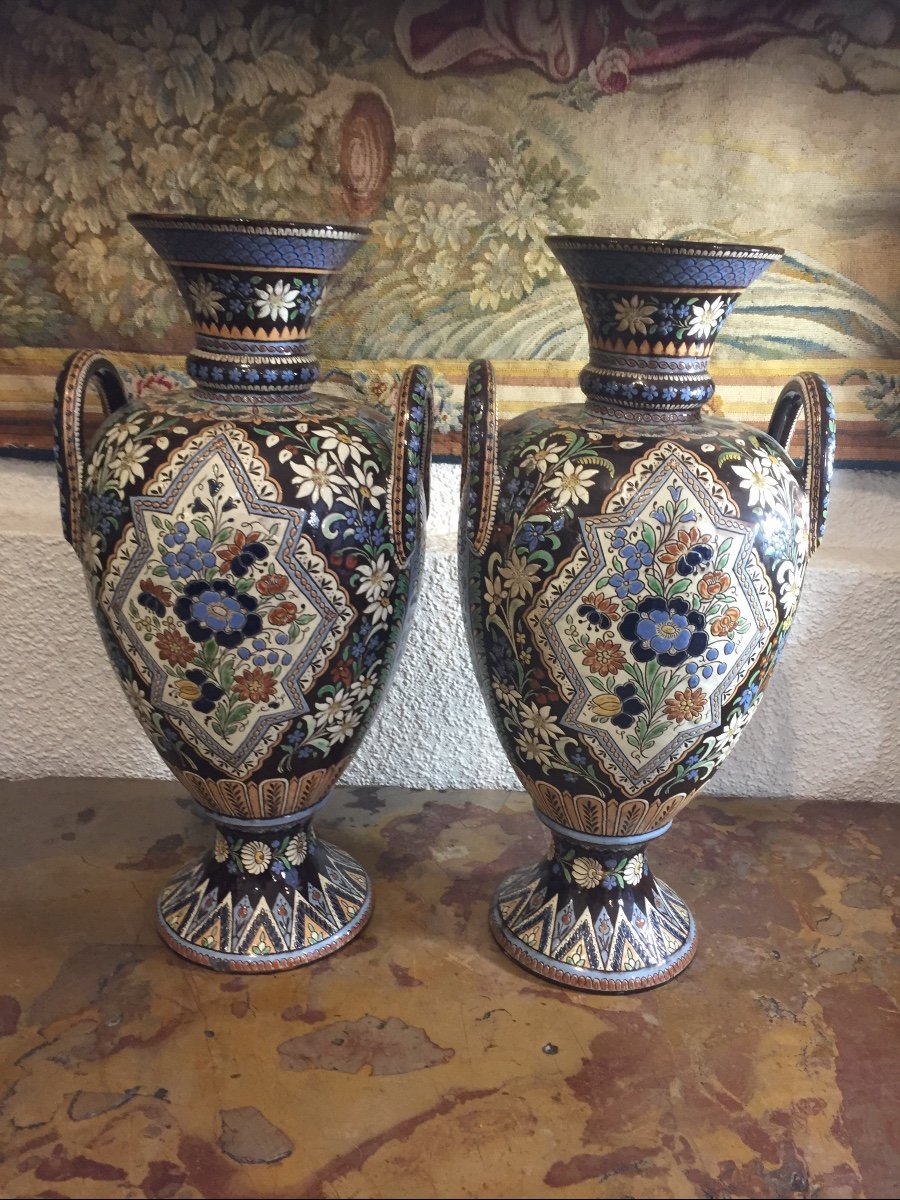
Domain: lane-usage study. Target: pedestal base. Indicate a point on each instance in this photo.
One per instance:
(591, 915)
(268, 897)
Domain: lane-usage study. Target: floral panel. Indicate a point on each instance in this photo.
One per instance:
(652, 623)
(224, 606)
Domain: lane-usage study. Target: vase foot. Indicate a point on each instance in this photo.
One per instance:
(592, 915)
(265, 899)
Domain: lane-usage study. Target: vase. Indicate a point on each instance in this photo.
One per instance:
(251, 547)
(630, 567)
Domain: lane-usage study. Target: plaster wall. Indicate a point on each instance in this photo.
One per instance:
(826, 728)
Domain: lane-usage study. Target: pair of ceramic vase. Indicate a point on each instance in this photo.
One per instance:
(629, 568)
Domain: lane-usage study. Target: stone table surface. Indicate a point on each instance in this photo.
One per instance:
(419, 1061)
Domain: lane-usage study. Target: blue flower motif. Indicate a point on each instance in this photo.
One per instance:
(667, 630)
(694, 560)
(270, 376)
(618, 538)
(747, 696)
(216, 611)
(530, 536)
(638, 555)
(105, 511)
(191, 557)
(287, 375)
(626, 583)
(252, 375)
(669, 393)
(691, 763)
(217, 374)
(681, 313)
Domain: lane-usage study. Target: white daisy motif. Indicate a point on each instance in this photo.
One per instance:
(542, 458)
(538, 719)
(90, 550)
(346, 727)
(363, 480)
(341, 443)
(571, 483)
(633, 870)
(364, 686)
(379, 610)
(731, 732)
(255, 857)
(757, 480)
(275, 300)
(531, 746)
(706, 317)
(128, 464)
(296, 849)
(375, 580)
(334, 708)
(204, 298)
(789, 582)
(319, 478)
(587, 872)
(220, 849)
(633, 316)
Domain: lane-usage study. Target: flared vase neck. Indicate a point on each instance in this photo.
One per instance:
(253, 289)
(653, 310)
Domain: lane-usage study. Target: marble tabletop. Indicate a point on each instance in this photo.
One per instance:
(419, 1061)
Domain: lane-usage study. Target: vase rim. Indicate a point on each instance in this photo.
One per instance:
(663, 246)
(259, 225)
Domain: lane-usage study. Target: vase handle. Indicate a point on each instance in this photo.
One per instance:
(79, 370)
(411, 467)
(810, 393)
(480, 484)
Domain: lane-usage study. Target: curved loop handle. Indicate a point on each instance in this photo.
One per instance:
(480, 484)
(809, 393)
(68, 428)
(411, 465)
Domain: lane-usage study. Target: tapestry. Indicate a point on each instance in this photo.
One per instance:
(462, 132)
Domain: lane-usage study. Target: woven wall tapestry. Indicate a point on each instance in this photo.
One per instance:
(461, 133)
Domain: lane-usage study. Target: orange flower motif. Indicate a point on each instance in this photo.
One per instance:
(271, 585)
(154, 589)
(175, 648)
(255, 685)
(684, 706)
(603, 656)
(685, 540)
(727, 623)
(283, 614)
(602, 604)
(233, 549)
(712, 583)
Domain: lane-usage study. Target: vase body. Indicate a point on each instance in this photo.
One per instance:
(630, 567)
(251, 549)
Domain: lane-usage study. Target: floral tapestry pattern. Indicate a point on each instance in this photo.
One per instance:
(462, 140)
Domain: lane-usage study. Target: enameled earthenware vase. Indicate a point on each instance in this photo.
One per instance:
(630, 567)
(251, 549)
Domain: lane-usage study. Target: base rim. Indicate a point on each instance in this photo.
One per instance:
(584, 979)
(268, 964)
